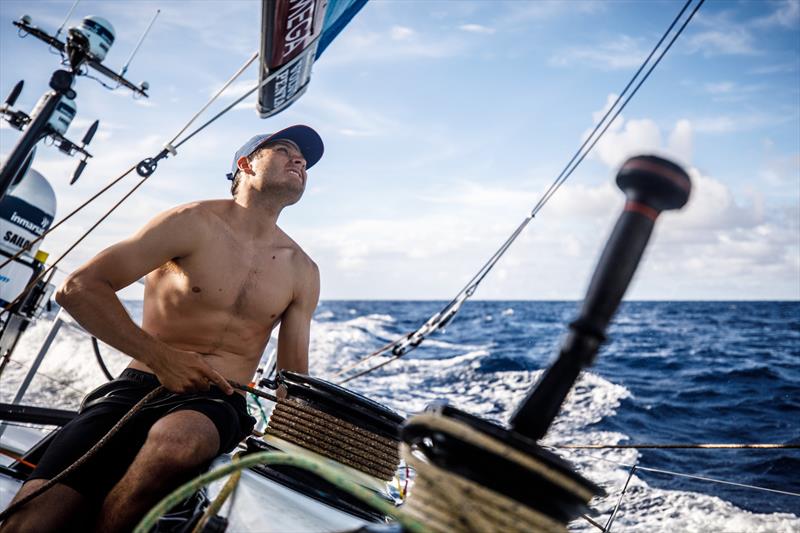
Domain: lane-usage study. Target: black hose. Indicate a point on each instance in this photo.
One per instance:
(100, 361)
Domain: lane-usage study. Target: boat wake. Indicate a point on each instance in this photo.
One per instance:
(485, 368)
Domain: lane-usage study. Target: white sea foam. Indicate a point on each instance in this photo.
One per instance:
(647, 509)
(325, 315)
(410, 384)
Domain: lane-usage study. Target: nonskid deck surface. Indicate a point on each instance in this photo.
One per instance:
(263, 505)
(260, 505)
(17, 440)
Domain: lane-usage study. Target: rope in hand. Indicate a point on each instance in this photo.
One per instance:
(14, 507)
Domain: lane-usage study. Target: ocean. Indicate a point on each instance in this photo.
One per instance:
(671, 372)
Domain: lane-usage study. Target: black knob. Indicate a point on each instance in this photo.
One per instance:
(654, 182)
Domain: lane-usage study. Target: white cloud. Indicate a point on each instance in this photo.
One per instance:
(729, 91)
(520, 12)
(727, 36)
(782, 171)
(719, 87)
(777, 68)
(680, 140)
(731, 41)
(621, 53)
(739, 122)
(235, 90)
(393, 44)
(786, 14)
(717, 240)
(625, 138)
(401, 33)
(207, 27)
(477, 28)
(352, 121)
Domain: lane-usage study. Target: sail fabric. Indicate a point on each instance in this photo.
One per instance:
(338, 15)
(294, 33)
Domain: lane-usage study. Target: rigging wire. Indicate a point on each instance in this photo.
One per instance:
(619, 501)
(213, 98)
(691, 476)
(710, 446)
(410, 341)
(53, 265)
(66, 19)
(63, 220)
(167, 148)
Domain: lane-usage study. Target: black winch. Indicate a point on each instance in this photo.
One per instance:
(337, 423)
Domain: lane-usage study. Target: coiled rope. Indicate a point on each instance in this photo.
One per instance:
(405, 344)
(448, 502)
(300, 423)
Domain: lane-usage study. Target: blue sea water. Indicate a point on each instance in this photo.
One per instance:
(679, 372)
(671, 372)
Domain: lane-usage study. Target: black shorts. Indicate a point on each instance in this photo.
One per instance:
(103, 408)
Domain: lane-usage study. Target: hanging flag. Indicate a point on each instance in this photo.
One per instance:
(294, 33)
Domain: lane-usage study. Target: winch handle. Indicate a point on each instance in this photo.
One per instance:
(652, 185)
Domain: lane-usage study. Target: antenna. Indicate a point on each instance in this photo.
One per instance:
(136, 48)
(12, 98)
(61, 28)
(85, 44)
(87, 138)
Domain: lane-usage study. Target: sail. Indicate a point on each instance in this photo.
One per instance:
(294, 33)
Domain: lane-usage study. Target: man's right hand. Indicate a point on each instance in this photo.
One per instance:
(183, 372)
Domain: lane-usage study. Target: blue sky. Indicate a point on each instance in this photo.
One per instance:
(445, 121)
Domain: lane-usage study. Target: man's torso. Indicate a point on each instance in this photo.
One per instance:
(224, 298)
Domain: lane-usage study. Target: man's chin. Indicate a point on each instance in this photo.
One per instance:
(289, 193)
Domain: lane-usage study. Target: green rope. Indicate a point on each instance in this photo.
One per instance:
(326, 470)
(260, 408)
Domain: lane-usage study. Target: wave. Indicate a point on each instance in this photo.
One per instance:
(487, 373)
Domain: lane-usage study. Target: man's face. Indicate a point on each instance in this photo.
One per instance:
(280, 168)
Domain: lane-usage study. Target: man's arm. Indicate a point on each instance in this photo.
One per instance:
(296, 321)
(89, 295)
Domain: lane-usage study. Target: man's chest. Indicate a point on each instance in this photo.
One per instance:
(251, 284)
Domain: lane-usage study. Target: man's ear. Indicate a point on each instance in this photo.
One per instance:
(244, 165)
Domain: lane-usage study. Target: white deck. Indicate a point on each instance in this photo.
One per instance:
(260, 504)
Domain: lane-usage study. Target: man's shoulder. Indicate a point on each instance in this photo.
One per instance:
(299, 257)
(193, 212)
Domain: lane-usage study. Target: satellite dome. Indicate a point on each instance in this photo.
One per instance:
(100, 34)
(26, 213)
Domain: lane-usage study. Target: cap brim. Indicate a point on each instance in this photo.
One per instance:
(308, 140)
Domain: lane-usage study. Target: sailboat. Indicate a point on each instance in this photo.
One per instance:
(260, 488)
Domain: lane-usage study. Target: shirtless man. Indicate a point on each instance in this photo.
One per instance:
(220, 275)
